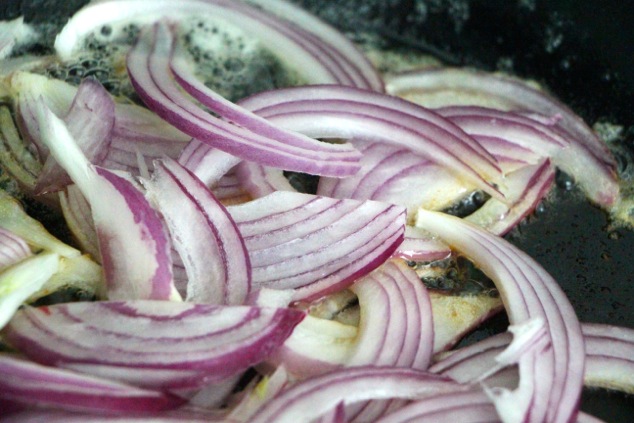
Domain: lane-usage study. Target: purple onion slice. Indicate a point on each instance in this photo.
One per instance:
(32, 384)
(551, 378)
(148, 66)
(203, 233)
(134, 245)
(316, 245)
(153, 344)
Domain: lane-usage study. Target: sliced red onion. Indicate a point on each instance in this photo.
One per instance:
(395, 326)
(464, 407)
(207, 163)
(540, 136)
(516, 95)
(148, 67)
(550, 379)
(203, 233)
(524, 189)
(344, 112)
(510, 156)
(134, 245)
(157, 344)
(395, 329)
(336, 415)
(22, 280)
(609, 363)
(180, 65)
(32, 384)
(316, 396)
(316, 245)
(419, 245)
(345, 50)
(137, 131)
(78, 217)
(29, 87)
(397, 175)
(13, 248)
(610, 356)
(320, 56)
(90, 120)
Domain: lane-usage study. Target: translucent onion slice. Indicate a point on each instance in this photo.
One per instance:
(539, 135)
(454, 86)
(204, 234)
(550, 379)
(344, 112)
(406, 337)
(419, 245)
(133, 244)
(316, 396)
(156, 344)
(397, 175)
(318, 52)
(395, 328)
(32, 384)
(148, 67)
(524, 188)
(609, 362)
(464, 407)
(316, 245)
(340, 45)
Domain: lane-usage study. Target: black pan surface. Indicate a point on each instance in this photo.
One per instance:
(583, 51)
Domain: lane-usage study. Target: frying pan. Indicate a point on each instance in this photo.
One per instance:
(583, 51)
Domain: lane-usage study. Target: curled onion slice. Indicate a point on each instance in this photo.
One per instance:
(406, 337)
(418, 245)
(148, 67)
(321, 55)
(344, 112)
(512, 94)
(32, 384)
(155, 344)
(550, 379)
(316, 396)
(207, 239)
(609, 364)
(314, 244)
(134, 245)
